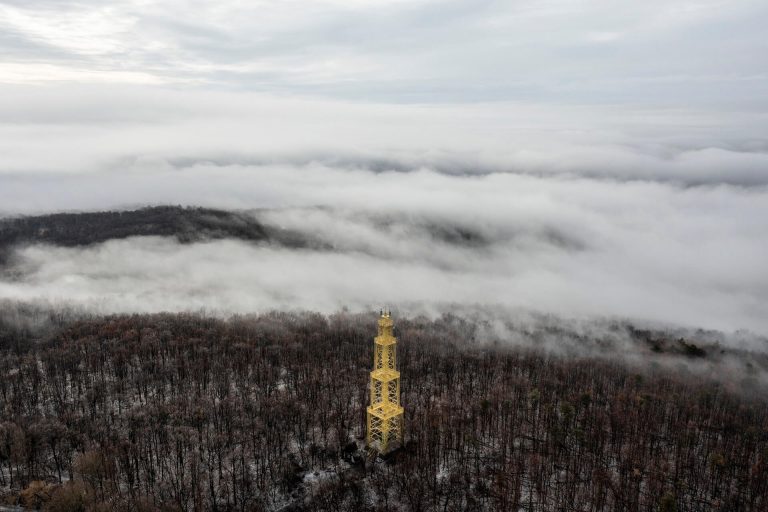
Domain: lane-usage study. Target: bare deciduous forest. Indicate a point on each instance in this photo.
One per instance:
(183, 412)
(184, 224)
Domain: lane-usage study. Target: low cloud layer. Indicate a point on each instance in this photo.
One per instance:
(589, 161)
(575, 247)
(57, 140)
(651, 214)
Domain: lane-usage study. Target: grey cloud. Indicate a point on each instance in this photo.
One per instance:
(15, 44)
(655, 53)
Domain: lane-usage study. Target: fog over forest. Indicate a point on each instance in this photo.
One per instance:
(599, 161)
(204, 204)
(657, 216)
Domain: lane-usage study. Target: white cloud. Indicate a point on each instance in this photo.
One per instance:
(76, 129)
(574, 247)
(35, 73)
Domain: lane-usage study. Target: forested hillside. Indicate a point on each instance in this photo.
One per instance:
(185, 224)
(184, 412)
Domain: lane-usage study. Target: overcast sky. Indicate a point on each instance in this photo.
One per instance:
(596, 51)
(661, 90)
(638, 131)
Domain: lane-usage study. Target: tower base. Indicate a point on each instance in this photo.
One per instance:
(385, 427)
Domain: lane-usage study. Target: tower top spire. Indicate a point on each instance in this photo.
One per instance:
(385, 323)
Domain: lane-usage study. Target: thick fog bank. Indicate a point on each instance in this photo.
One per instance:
(571, 247)
(650, 213)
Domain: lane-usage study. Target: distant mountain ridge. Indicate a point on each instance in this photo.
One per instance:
(186, 224)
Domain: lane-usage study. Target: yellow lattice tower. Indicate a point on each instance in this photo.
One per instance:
(385, 415)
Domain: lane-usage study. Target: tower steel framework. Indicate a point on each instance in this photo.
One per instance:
(385, 415)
